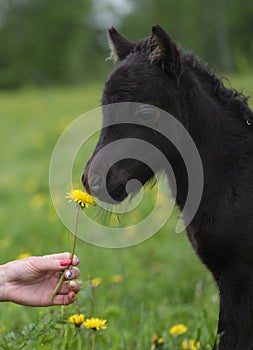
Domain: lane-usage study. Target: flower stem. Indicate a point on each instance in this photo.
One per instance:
(92, 300)
(79, 340)
(75, 235)
(61, 280)
(58, 286)
(93, 340)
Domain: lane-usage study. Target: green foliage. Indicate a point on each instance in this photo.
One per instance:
(218, 31)
(47, 42)
(163, 281)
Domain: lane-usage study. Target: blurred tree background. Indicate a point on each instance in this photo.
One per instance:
(45, 42)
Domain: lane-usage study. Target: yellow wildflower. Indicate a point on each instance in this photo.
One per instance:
(154, 339)
(178, 329)
(3, 330)
(4, 243)
(190, 345)
(185, 345)
(117, 279)
(80, 197)
(31, 185)
(95, 282)
(23, 255)
(157, 342)
(38, 200)
(76, 319)
(95, 323)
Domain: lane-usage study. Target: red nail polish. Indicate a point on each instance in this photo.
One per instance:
(65, 263)
(73, 295)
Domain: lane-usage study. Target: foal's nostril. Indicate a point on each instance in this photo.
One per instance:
(94, 182)
(84, 180)
(85, 183)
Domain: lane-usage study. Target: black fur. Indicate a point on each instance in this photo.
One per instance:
(155, 71)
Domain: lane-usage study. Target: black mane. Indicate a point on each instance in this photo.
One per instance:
(229, 96)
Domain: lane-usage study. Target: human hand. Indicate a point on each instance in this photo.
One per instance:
(31, 281)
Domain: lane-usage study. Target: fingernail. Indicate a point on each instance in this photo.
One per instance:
(73, 295)
(69, 274)
(65, 262)
(72, 284)
(77, 261)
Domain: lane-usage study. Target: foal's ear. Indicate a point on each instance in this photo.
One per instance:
(120, 47)
(164, 51)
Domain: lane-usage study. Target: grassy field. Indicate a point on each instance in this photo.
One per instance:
(163, 282)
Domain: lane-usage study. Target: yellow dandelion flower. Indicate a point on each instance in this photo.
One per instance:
(160, 340)
(95, 282)
(38, 200)
(154, 339)
(190, 345)
(31, 185)
(3, 330)
(4, 243)
(184, 345)
(157, 342)
(117, 279)
(178, 329)
(193, 345)
(80, 197)
(95, 323)
(23, 255)
(76, 319)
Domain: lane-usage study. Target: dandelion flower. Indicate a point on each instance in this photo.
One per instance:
(4, 243)
(190, 345)
(185, 345)
(95, 282)
(178, 329)
(154, 339)
(157, 342)
(76, 319)
(95, 323)
(38, 200)
(31, 185)
(80, 197)
(117, 279)
(23, 255)
(3, 330)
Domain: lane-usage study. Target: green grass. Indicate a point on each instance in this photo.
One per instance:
(164, 282)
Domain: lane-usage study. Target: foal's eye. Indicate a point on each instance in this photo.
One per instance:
(148, 115)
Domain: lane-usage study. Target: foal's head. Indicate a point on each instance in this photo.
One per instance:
(147, 73)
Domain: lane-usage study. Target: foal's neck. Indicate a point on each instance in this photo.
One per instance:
(218, 116)
(218, 128)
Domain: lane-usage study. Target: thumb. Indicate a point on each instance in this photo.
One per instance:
(45, 263)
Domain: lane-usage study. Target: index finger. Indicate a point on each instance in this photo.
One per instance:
(63, 256)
